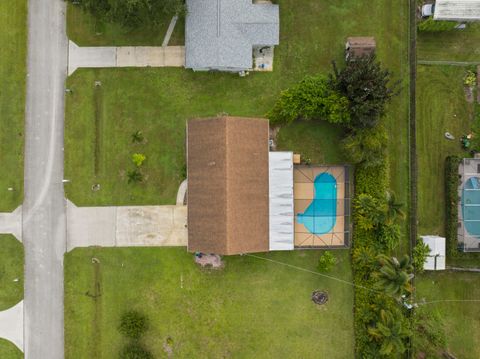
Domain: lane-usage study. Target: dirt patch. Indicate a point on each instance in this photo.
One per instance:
(468, 93)
(209, 260)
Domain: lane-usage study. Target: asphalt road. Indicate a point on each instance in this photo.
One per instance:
(44, 222)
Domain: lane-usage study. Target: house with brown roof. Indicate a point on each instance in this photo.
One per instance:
(359, 47)
(240, 195)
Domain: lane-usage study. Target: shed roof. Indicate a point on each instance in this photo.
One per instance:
(436, 258)
(220, 34)
(361, 46)
(457, 10)
(228, 205)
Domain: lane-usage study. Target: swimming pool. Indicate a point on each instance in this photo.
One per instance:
(320, 216)
(471, 206)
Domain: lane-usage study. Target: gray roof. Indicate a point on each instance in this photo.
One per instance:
(457, 10)
(220, 34)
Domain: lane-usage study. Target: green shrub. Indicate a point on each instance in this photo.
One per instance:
(420, 254)
(311, 99)
(133, 324)
(389, 235)
(138, 159)
(134, 176)
(452, 182)
(135, 351)
(326, 262)
(436, 25)
(470, 78)
(367, 146)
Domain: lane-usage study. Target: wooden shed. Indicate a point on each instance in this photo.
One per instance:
(360, 46)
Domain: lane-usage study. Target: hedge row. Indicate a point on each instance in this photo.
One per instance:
(374, 182)
(452, 181)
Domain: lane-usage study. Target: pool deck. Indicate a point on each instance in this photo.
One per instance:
(303, 178)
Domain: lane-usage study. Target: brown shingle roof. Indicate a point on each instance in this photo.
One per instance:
(228, 185)
(361, 46)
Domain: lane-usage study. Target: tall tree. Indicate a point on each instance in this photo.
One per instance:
(366, 85)
(394, 276)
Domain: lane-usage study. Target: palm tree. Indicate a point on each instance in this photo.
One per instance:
(137, 137)
(394, 208)
(394, 276)
(390, 332)
(134, 176)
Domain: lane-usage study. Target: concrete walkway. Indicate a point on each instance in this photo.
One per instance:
(182, 192)
(126, 226)
(11, 223)
(126, 56)
(11, 325)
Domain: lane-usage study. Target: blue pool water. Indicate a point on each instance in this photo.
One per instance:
(321, 214)
(471, 197)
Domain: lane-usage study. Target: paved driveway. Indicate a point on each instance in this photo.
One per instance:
(12, 223)
(126, 56)
(127, 226)
(11, 325)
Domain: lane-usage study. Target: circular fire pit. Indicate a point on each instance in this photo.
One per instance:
(319, 297)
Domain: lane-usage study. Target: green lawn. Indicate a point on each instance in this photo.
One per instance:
(85, 30)
(11, 269)
(159, 101)
(441, 107)
(13, 15)
(11, 291)
(461, 320)
(456, 45)
(9, 350)
(251, 308)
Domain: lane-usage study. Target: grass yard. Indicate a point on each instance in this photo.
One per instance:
(251, 308)
(11, 269)
(456, 45)
(461, 320)
(13, 16)
(159, 101)
(441, 107)
(9, 350)
(11, 291)
(85, 30)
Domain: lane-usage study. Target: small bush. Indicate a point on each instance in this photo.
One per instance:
(134, 176)
(451, 202)
(138, 159)
(326, 262)
(420, 254)
(133, 324)
(135, 351)
(470, 79)
(431, 25)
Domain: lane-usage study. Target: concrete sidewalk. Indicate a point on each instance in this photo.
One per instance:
(11, 325)
(126, 226)
(12, 223)
(126, 56)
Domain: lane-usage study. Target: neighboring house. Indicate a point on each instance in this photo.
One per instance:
(359, 46)
(220, 35)
(240, 195)
(456, 10)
